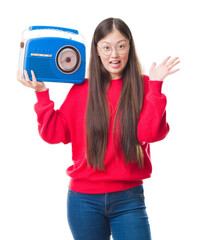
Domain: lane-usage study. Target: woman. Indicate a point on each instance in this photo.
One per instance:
(110, 119)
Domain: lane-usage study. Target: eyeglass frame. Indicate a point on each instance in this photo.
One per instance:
(115, 48)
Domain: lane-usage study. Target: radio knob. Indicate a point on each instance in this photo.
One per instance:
(68, 59)
(22, 44)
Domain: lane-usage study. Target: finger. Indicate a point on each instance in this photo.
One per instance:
(27, 77)
(20, 78)
(18, 74)
(27, 80)
(172, 61)
(153, 66)
(23, 82)
(171, 72)
(165, 60)
(172, 65)
(33, 77)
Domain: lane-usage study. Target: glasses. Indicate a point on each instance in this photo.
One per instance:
(122, 48)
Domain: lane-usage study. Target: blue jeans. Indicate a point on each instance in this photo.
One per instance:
(97, 216)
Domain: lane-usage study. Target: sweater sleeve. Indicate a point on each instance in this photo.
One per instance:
(52, 125)
(152, 125)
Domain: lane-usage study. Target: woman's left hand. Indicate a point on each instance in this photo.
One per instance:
(160, 72)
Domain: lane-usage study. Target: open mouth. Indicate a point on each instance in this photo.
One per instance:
(114, 62)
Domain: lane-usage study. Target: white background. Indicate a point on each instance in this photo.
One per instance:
(33, 182)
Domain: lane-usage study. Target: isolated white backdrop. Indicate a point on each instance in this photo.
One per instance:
(33, 182)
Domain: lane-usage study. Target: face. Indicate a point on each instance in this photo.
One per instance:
(114, 51)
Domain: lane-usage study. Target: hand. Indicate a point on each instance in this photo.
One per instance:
(37, 86)
(163, 70)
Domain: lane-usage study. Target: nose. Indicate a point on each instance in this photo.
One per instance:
(114, 52)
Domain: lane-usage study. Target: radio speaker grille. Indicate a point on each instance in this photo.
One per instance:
(41, 67)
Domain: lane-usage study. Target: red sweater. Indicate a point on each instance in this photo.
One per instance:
(67, 125)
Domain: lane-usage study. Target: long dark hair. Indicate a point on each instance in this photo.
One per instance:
(129, 106)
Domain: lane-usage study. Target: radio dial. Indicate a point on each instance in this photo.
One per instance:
(68, 59)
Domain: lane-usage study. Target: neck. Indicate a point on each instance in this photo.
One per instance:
(115, 76)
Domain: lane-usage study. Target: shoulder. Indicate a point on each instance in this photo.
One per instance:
(146, 81)
(78, 90)
(145, 78)
(76, 97)
(79, 87)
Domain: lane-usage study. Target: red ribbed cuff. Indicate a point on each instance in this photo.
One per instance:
(43, 97)
(155, 86)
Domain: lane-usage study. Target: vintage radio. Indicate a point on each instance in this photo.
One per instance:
(55, 54)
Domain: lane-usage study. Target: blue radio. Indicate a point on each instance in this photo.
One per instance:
(56, 57)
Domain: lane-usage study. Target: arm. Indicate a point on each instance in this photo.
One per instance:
(152, 125)
(52, 125)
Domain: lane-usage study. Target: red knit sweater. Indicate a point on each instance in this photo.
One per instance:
(68, 125)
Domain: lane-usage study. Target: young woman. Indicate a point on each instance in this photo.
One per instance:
(110, 119)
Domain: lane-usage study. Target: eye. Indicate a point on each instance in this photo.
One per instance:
(121, 46)
(106, 48)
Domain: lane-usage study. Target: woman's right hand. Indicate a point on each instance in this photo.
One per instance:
(37, 86)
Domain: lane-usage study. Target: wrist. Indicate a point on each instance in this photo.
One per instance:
(41, 89)
(155, 79)
(43, 97)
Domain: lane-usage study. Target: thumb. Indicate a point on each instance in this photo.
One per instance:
(153, 66)
(33, 77)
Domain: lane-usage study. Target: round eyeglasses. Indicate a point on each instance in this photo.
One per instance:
(122, 48)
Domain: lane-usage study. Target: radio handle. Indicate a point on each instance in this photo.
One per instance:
(53, 28)
(68, 30)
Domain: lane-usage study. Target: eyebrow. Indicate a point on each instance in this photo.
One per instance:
(117, 42)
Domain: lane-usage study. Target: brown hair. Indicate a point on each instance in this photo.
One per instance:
(129, 106)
